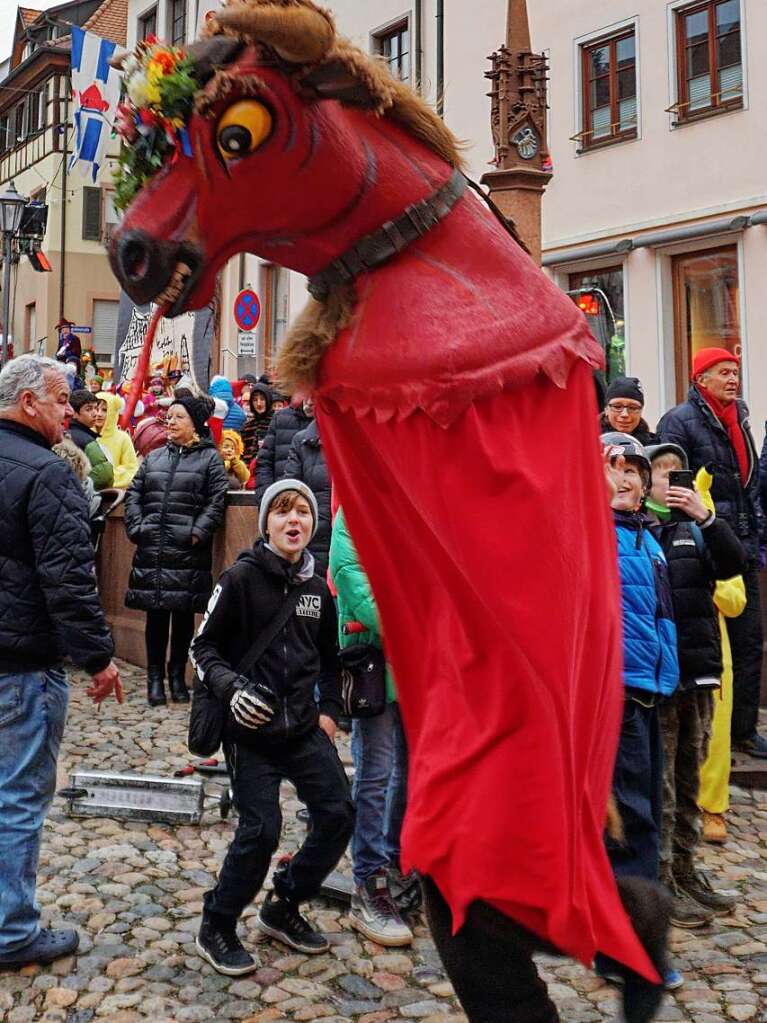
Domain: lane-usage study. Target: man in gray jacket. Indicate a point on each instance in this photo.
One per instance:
(49, 607)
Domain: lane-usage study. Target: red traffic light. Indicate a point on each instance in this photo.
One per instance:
(588, 303)
(40, 262)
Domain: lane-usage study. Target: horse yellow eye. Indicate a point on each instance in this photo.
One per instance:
(243, 128)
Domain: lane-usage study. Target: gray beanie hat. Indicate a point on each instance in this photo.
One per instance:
(274, 491)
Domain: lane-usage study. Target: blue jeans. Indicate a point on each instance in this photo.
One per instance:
(33, 709)
(380, 791)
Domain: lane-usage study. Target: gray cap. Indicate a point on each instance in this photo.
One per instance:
(274, 491)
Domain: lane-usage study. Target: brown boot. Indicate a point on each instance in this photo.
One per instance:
(714, 828)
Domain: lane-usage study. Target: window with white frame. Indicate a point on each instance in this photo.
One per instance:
(147, 24)
(393, 44)
(608, 68)
(177, 22)
(709, 59)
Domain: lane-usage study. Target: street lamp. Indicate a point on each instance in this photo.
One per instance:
(11, 211)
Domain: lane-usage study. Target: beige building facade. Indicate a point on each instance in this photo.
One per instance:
(35, 119)
(657, 138)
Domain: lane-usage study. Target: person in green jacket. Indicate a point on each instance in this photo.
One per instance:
(380, 759)
(82, 432)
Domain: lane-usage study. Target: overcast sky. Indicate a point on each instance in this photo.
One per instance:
(8, 10)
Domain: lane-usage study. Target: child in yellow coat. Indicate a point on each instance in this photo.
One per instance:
(714, 796)
(231, 449)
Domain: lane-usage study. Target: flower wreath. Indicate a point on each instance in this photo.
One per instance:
(151, 119)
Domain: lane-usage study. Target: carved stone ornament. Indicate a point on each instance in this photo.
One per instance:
(526, 142)
(518, 106)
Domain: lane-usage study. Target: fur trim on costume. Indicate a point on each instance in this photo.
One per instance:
(311, 334)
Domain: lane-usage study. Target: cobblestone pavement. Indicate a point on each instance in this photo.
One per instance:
(134, 891)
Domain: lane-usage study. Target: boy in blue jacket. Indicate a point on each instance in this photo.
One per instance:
(650, 666)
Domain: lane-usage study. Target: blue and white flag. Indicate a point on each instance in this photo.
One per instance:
(95, 92)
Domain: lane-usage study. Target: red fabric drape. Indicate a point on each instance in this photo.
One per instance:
(491, 554)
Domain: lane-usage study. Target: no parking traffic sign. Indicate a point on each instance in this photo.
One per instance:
(247, 309)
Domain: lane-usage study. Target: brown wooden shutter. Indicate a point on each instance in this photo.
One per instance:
(91, 214)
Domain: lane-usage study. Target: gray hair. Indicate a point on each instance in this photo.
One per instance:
(25, 373)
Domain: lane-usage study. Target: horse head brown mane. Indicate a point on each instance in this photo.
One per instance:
(322, 65)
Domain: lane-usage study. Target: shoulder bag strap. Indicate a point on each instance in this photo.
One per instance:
(258, 648)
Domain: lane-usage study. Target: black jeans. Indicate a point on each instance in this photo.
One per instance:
(489, 963)
(159, 625)
(312, 763)
(746, 640)
(638, 791)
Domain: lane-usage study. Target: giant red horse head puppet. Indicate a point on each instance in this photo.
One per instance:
(296, 145)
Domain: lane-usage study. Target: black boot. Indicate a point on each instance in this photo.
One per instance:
(155, 686)
(177, 681)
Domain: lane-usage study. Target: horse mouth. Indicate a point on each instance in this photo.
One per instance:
(151, 271)
(178, 287)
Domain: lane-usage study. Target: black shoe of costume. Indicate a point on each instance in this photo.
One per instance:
(648, 906)
(698, 887)
(405, 890)
(155, 686)
(223, 949)
(281, 920)
(47, 946)
(177, 683)
(755, 745)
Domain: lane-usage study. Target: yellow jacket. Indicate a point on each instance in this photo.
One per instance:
(116, 444)
(730, 599)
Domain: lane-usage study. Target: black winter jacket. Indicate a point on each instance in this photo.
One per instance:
(177, 494)
(48, 600)
(696, 429)
(304, 653)
(696, 559)
(306, 462)
(272, 456)
(255, 427)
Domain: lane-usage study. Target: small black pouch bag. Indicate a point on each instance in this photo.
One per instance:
(363, 681)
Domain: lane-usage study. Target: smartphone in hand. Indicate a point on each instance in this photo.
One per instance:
(680, 478)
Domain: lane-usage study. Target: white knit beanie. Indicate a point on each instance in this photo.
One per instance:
(280, 487)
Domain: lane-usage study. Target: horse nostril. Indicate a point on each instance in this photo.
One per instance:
(135, 259)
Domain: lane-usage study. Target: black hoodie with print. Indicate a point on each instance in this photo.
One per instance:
(304, 653)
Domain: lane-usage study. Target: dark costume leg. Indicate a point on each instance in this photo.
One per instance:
(746, 640)
(489, 963)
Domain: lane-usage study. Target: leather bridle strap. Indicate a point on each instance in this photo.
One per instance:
(394, 237)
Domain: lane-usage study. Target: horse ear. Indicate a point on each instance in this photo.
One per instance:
(209, 54)
(334, 79)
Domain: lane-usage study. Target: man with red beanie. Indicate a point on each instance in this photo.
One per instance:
(712, 427)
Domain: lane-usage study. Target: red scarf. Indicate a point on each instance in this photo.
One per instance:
(728, 417)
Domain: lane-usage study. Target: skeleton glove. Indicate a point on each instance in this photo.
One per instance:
(249, 710)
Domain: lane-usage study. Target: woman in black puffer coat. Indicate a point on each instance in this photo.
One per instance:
(306, 462)
(172, 509)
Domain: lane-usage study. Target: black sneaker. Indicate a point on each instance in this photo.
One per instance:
(686, 912)
(223, 949)
(281, 920)
(698, 887)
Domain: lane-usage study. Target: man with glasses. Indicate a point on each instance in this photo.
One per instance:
(624, 404)
(712, 427)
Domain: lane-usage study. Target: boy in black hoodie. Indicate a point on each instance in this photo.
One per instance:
(274, 729)
(699, 549)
